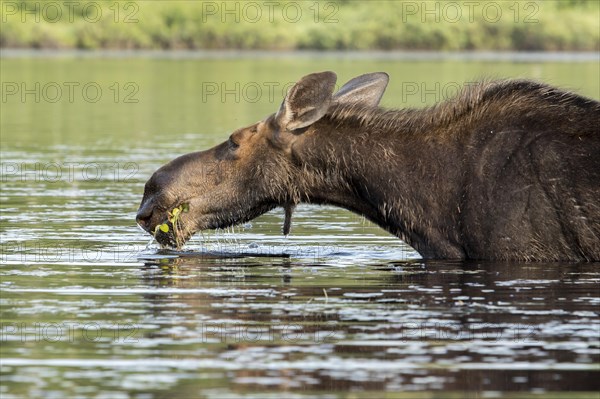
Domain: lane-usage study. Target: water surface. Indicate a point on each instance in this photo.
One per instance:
(338, 309)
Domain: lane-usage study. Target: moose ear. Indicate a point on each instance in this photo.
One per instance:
(364, 90)
(307, 101)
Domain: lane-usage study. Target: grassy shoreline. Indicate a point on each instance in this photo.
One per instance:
(568, 25)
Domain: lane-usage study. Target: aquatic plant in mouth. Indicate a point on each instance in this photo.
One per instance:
(173, 219)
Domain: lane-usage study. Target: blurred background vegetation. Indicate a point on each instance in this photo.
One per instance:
(565, 25)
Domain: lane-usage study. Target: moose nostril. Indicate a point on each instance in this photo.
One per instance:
(143, 219)
(140, 221)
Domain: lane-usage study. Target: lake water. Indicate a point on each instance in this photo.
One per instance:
(90, 308)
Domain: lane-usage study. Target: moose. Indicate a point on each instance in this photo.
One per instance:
(506, 170)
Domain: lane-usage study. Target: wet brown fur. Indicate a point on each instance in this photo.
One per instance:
(506, 170)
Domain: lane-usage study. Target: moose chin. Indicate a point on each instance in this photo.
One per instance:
(506, 170)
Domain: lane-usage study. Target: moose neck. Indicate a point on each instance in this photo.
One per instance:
(388, 167)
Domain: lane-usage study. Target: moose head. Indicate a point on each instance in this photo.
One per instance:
(277, 162)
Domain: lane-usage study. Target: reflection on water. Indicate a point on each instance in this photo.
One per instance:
(338, 309)
(210, 326)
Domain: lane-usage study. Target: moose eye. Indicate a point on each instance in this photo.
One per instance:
(232, 144)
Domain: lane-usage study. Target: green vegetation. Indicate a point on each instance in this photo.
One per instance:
(173, 218)
(566, 25)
